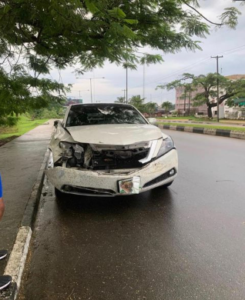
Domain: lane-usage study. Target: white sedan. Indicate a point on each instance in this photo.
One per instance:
(109, 150)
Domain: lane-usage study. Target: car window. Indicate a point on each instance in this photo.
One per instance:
(103, 114)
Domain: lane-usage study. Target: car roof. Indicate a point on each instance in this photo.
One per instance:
(97, 104)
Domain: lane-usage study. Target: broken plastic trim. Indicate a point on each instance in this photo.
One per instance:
(149, 156)
(162, 177)
(87, 191)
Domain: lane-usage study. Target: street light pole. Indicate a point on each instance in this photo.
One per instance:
(82, 91)
(124, 96)
(91, 87)
(144, 80)
(91, 92)
(217, 71)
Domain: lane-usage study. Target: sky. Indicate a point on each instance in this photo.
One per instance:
(109, 82)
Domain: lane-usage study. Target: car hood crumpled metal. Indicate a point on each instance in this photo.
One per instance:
(123, 134)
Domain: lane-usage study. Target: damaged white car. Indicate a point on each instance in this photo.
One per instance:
(109, 150)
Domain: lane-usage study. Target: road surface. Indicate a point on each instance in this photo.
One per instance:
(185, 242)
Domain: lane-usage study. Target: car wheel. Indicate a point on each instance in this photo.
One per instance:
(59, 195)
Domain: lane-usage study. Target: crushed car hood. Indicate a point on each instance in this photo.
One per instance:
(123, 134)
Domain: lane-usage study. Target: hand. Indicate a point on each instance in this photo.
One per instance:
(2, 207)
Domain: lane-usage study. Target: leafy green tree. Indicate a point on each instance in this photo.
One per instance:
(138, 102)
(208, 84)
(120, 100)
(53, 110)
(150, 107)
(37, 36)
(187, 95)
(20, 92)
(167, 106)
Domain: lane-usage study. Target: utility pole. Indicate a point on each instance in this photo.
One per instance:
(217, 64)
(144, 80)
(126, 84)
(91, 91)
(184, 103)
(189, 110)
(124, 91)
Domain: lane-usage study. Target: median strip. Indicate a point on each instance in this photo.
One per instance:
(232, 133)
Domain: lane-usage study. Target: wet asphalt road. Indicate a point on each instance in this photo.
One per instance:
(185, 242)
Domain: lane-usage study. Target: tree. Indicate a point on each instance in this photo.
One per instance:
(120, 100)
(167, 106)
(37, 36)
(138, 102)
(150, 107)
(208, 92)
(20, 92)
(188, 89)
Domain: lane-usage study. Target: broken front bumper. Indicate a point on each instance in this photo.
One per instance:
(102, 183)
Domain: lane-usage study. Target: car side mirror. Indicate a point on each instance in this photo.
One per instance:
(56, 123)
(152, 121)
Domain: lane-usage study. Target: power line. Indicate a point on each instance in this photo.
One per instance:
(179, 71)
(189, 67)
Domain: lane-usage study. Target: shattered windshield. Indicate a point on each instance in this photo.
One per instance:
(103, 114)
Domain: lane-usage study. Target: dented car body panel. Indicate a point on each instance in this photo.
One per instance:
(96, 180)
(119, 134)
(98, 153)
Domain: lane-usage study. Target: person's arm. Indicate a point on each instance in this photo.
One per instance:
(1, 200)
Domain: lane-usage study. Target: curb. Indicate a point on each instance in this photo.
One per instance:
(207, 122)
(209, 131)
(17, 259)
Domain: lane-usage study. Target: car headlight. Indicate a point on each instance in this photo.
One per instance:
(167, 145)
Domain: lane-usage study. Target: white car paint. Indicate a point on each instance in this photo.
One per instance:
(99, 137)
(115, 134)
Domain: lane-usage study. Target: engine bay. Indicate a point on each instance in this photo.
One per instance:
(102, 157)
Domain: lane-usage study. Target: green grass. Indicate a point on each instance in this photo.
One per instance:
(191, 118)
(24, 125)
(204, 126)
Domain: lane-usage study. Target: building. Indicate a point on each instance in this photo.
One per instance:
(71, 101)
(236, 112)
(182, 105)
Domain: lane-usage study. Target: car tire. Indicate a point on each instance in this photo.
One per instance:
(59, 195)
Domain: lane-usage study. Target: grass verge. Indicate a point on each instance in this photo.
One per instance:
(214, 120)
(188, 118)
(204, 126)
(24, 125)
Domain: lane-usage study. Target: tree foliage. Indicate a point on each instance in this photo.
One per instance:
(53, 110)
(138, 102)
(167, 106)
(20, 92)
(205, 87)
(120, 100)
(36, 36)
(150, 108)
